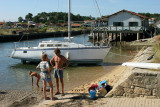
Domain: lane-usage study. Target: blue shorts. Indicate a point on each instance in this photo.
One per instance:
(45, 76)
(58, 73)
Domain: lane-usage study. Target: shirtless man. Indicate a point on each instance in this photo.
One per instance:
(36, 75)
(58, 69)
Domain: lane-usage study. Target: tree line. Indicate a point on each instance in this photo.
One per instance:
(53, 17)
(149, 15)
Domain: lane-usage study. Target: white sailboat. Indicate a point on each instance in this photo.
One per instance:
(74, 52)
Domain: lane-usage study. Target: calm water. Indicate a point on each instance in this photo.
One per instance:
(14, 75)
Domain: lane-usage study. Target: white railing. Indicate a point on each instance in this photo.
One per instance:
(119, 28)
(25, 44)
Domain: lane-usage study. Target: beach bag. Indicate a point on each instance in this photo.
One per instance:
(102, 91)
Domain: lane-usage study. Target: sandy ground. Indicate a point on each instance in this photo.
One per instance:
(25, 98)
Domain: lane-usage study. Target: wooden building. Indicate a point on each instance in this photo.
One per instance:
(120, 24)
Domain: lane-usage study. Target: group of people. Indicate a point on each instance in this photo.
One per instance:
(56, 62)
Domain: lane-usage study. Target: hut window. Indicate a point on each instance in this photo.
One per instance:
(133, 23)
(117, 23)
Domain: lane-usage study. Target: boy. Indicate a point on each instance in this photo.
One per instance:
(58, 69)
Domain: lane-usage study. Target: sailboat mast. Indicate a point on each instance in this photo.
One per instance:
(69, 21)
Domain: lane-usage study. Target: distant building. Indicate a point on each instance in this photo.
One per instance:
(2, 24)
(151, 21)
(88, 23)
(75, 25)
(157, 24)
(62, 24)
(31, 24)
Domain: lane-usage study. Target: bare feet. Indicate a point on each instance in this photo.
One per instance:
(57, 93)
(63, 94)
(52, 98)
(45, 98)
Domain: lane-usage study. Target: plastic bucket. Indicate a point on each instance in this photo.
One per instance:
(92, 93)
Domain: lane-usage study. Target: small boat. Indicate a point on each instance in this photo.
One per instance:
(142, 65)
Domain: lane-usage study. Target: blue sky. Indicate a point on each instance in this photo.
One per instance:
(10, 10)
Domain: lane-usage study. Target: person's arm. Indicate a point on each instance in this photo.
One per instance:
(49, 69)
(38, 66)
(32, 79)
(66, 61)
(51, 62)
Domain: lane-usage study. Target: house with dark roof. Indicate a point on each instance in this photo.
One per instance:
(127, 20)
(122, 24)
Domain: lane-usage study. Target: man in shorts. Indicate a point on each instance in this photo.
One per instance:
(58, 69)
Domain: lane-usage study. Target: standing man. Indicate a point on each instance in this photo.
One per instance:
(58, 69)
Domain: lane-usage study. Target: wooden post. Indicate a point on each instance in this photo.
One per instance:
(138, 36)
(103, 35)
(97, 37)
(116, 38)
(93, 37)
(120, 37)
(143, 35)
(112, 36)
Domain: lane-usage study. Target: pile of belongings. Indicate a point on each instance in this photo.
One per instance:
(102, 89)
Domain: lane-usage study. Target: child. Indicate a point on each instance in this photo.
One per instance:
(45, 75)
(36, 75)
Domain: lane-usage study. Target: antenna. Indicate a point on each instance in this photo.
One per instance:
(98, 8)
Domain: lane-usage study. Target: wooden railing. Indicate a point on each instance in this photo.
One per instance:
(119, 28)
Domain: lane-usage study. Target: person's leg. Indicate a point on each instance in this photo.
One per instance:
(62, 85)
(44, 89)
(61, 79)
(57, 81)
(57, 85)
(51, 89)
(37, 82)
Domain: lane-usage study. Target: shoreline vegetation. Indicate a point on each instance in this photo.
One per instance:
(79, 95)
(14, 35)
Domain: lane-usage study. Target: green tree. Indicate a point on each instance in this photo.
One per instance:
(36, 19)
(28, 17)
(20, 19)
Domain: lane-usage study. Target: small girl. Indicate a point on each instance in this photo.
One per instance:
(36, 75)
(45, 75)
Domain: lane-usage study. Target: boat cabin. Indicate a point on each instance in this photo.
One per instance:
(52, 44)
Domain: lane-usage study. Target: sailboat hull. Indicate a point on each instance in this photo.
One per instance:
(74, 55)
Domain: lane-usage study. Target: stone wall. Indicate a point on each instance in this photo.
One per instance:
(138, 83)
